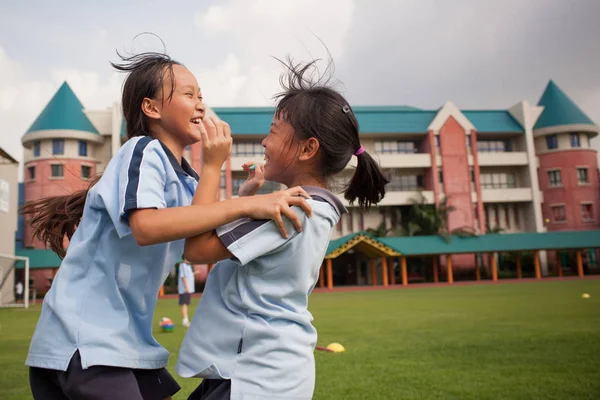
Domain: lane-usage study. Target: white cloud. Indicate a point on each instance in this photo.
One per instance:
(260, 30)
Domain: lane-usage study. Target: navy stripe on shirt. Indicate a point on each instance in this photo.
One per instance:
(133, 173)
(241, 230)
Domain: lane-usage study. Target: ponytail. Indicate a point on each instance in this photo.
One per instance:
(56, 217)
(367, 184)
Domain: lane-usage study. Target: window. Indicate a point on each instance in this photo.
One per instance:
(587, 212)
(472, 171)
(582, 176)
(58, 146)
(83, 148)
(223, 181)
(517, 216)
(36, 149)
(551, 142)
(575, 141)
(441, 176)
(400, 183)
(554, 178)
(494, 146)
(395, 146)
(501, 180)
(558, 213)
(57, 171)
(437, 141)
(247, 149)
(468, 138)
(506, 216)
(86, 171)
(31, 173)
(497, 215)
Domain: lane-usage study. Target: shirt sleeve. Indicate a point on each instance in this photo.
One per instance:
(140, 182)
(249, 239)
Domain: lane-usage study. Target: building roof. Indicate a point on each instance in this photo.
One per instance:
(4, 154)
(362, 242)
(493, 121)
(38, 258)
(435, 245)
(373, 119)
(559, 109)
(63, 111)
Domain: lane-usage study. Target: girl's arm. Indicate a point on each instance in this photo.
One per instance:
(158, 225)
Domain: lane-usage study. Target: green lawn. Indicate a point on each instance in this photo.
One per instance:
(537, 340)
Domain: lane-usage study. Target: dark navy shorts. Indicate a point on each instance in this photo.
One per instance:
(101, 383)
(185, 298)
(212, 389)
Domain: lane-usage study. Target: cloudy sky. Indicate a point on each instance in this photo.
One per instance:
(479, 54)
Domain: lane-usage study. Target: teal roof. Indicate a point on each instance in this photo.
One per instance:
(38, 258)
(372, 119)
(431, 245)
(63, 111)
(559, 109)
(493, 121)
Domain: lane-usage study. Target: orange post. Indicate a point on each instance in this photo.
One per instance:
(449, 267)
(329, 274)
(161, 293)
(392, 275)
(477, 270)
(373, 273)
(536, 262)
(579, 264)
(321, 277)
(559, 264)
(494, 266)
(384, 271)
(404, 272)
(436, 278)
(519, 270)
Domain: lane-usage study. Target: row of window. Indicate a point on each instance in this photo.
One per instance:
(559, 213)
(493, 211)
(58, 148)
(552, 141)
(555, 177)
(498, 180)
(409, 146)
(58, 171)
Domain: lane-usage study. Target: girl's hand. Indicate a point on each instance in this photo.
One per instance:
(275, 205)
(255, 180)
(216, 142)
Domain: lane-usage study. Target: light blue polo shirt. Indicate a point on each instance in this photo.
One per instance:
(252, 324)
(103, 297)
(186, 271)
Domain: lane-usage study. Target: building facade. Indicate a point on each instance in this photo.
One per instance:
(527, 168)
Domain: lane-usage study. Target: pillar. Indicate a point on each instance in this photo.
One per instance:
(477, 270)
(436, 277)
(329, 274)
(536, 262)
(579, 264)
(494, 266)
(449, 267)
(373, 272)
(559, 271)
(392, 275)
(404, 271)
(519, 269)
(384, 272)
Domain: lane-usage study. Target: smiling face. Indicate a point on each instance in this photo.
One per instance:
(281, 150)
(182, 114)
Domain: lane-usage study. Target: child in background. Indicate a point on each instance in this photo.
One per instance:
(186, 286)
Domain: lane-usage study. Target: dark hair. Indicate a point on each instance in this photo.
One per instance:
(57, 217)
(314, 109)
(146, 78)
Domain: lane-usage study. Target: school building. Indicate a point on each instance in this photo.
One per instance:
(524, 170)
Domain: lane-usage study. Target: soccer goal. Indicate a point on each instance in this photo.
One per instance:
(7, 281)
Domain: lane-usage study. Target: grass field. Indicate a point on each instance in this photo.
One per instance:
(535, 340)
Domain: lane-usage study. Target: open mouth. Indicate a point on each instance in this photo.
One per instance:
(196, 121)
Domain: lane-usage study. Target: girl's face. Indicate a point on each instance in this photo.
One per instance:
(182, 115)
(281, 148)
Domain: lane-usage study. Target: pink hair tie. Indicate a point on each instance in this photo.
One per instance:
(360, 150)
